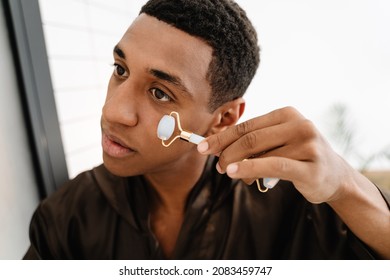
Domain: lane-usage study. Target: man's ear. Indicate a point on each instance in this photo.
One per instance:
(227, 115)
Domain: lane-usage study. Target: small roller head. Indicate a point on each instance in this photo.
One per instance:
(166, 127)
(270, 182)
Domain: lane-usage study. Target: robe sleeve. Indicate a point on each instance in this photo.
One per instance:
(386, 195)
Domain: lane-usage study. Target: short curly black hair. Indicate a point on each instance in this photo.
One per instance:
(224, 26)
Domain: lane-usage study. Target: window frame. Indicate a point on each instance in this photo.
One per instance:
(27, 40)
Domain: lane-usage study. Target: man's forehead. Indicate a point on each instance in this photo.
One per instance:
(167, 52)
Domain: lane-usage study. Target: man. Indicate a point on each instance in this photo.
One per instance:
(186, 202)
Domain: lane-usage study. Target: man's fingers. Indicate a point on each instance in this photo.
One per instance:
(290, 140)
(217, 143)
(249, 181)
(269, 167)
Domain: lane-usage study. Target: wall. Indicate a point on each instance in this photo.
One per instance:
(18, 189)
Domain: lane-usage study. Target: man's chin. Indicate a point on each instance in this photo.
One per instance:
(116, 168)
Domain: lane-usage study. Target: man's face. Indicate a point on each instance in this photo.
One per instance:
(158, 69)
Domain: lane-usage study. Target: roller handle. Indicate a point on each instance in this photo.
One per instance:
(195, 138)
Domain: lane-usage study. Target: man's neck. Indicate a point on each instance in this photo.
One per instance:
(168, 196)
(169, 191)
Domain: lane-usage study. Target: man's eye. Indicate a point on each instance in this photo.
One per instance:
(160, 95)
(119, 70)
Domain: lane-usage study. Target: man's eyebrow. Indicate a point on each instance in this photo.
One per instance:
(119, 52)
(176, 81)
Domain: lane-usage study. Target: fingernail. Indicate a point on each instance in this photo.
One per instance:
(219, 169)
(232, 168)
(203, 147)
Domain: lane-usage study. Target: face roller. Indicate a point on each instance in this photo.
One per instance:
(166, 128)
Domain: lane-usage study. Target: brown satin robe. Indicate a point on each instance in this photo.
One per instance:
(101, 216)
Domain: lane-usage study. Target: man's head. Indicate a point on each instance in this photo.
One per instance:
(160, 68)
(224, 26)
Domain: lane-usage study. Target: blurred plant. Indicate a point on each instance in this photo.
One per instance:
(344, 135)
(343, 131)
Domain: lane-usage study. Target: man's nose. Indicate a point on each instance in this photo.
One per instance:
(121, 105)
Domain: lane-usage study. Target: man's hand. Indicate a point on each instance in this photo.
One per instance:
(282, 144)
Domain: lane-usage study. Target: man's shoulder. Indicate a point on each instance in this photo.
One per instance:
(95, 187)
(80, 212)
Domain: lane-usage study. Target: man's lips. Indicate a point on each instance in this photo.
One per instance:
(114, 146)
